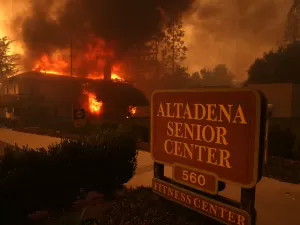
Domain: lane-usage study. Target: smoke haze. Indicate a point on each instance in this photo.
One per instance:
(51, 24)
(8, 11)
(233, 32)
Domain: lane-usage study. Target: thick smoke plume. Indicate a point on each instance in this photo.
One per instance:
(52, 24)
(233, 32)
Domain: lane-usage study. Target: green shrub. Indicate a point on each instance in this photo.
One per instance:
(36, 179)
(281, 142)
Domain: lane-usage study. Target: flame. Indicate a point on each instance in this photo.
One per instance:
(92, 77)
(95, 106)
(87, 61)
(132, 110)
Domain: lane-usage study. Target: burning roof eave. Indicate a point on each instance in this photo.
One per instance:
(105, 90)
(123, 93)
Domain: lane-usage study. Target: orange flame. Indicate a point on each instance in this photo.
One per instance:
(94, 105)
(88, 62)
(132, 110)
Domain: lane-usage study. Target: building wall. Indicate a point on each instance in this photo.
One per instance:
(280, 96)
(296, 100)
(18, 86)
(48, 98)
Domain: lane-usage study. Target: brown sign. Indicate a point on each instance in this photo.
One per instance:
(195, 178)
(79, 118)
(217, 210)
(213, 130)
(78, 114)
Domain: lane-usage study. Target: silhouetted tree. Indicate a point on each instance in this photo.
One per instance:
(278, 66)
(196, 80)
(292, 29)
(8, 61)
(143, 66)
(173, 49)
(179, 80)
(218, 76)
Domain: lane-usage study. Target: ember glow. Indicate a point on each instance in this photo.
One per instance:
(95, 106)
(132, 110)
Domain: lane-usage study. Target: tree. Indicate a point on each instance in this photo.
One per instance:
(173, 49)
(8, 61)
(218, 76)
(143, 61)
(196, 80)
(280, 66)
(158, 62)
(292, 29)
(179, 80)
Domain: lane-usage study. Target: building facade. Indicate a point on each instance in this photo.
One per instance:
(284, 98)
(34, 98)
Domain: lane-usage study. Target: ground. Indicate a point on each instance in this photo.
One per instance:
(277, 203)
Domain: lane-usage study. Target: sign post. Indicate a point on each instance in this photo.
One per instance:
(210, 137)
(79, 118)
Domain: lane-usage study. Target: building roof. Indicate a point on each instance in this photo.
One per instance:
(106, 91)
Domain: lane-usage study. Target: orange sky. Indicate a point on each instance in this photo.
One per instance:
(8, 10)
(231, 32)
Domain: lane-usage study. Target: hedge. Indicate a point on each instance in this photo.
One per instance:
(40, 179)
(142, 206)
(139, 206)
(282, 143)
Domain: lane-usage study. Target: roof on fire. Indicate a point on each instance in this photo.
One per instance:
(106, 91)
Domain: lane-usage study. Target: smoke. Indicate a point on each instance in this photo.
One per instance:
(52, 24)
(8, 11)
(233, 32)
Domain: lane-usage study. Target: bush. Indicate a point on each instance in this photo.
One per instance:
(142, 206)
(138, 206)
(281, 142)
(31, 180)
(36, 179)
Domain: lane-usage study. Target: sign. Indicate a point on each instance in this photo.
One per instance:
(217, 210)
(195, 178)
(78, 114)
(209, 135)
(79, 117)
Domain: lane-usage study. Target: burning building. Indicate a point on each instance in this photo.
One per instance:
(38, 99)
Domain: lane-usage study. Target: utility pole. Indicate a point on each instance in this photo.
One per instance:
(71, 58)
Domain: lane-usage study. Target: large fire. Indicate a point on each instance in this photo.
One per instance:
(89, 64)
(87, 61)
